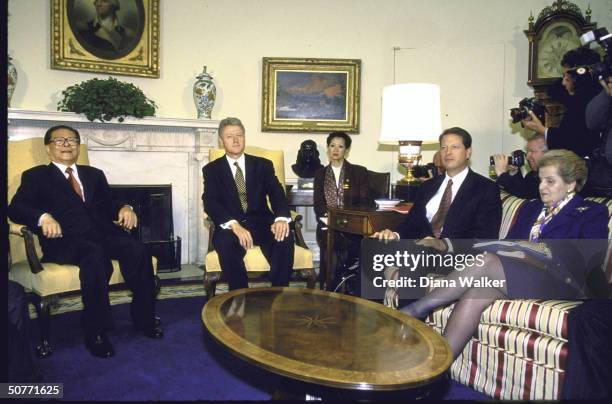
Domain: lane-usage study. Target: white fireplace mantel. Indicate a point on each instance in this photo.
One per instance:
(149, 151)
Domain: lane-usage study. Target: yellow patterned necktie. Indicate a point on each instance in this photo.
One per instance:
(241, 186)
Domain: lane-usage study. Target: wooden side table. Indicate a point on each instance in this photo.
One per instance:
(355, 220)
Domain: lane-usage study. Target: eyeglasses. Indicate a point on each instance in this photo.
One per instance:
(60, 141)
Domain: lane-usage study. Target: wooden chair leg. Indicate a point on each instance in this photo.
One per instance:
(43, 311)
(157, 285)
(312, 279)
(210, 285)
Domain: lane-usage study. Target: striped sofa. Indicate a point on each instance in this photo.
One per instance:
(520, 347)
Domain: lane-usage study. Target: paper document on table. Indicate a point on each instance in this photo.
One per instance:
(516, 249)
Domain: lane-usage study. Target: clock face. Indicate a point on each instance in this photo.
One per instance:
(556, 39)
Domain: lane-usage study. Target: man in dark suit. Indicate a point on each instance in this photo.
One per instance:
(459, 205)
(510, 177)
(236, 189)
(72, 209)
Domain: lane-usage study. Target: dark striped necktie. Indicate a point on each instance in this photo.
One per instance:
(438, 220)
(74, 184)
(240, 186)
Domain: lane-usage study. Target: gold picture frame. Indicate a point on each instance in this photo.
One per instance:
(106, 40)
(310, 95)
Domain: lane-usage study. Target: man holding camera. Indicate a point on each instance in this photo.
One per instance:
(575, 92)
(510, 177)
(599, 117)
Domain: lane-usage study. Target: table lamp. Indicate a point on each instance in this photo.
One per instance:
(410, 116)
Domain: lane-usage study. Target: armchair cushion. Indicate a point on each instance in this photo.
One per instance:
(56, 278)
(255, 261)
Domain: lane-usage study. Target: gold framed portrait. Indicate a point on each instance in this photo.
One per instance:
(310, 95)
(106, 36)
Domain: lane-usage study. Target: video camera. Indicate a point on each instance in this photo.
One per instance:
(600, 70)
(526, 105)
(422, 171)
(516, 158)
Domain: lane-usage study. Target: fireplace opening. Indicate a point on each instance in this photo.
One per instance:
(153, 205)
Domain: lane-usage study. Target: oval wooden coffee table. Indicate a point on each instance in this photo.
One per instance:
(327, 338)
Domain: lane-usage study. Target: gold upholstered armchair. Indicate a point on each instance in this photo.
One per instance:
(45, 282)
(254, 260)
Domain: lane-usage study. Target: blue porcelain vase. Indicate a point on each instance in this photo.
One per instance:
(204, 94)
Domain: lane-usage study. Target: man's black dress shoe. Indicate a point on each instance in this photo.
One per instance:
(99, 345)
(153, 332)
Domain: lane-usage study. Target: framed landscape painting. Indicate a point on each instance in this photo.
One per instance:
(310, 95)
(106, 36)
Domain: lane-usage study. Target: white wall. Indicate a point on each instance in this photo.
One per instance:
(232, 36)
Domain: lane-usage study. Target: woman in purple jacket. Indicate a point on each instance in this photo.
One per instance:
(555, 222)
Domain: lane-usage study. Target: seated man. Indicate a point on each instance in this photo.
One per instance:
(72, 209)
(510, 177)
(460, 204)
(236, 189)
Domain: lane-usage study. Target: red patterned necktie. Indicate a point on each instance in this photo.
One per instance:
(73, 182)
(438, 220)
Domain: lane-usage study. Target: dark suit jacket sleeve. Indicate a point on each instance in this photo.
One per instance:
(573, 133)
(320, 205)
(24, 207)
(598, 111)
(513, 184)
(487, 220)
(416, 225)
(274, 190)
(214, 204)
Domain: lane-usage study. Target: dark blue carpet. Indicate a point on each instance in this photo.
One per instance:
(185, 365)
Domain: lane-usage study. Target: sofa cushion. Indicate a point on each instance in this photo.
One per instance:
(545, 317)
(503, 375)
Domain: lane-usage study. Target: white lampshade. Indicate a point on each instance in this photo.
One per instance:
(410, 111)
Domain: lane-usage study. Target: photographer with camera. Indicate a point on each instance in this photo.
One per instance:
(574, 92)
(599, 118)
(430, 170)
(510, 177)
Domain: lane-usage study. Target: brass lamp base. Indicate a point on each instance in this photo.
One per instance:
(410, 154)
(408, 178)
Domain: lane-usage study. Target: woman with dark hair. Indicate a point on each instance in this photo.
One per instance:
(340, 183)
(552, 224)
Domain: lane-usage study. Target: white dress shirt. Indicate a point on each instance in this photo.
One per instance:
(434, 203)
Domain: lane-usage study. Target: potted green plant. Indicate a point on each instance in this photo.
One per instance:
(106, 99)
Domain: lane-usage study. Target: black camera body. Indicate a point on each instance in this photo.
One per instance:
(526, 105)
(422, 171)
(516, 158)
(600, 70)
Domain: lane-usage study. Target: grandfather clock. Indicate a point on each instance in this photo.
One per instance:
(556, 30)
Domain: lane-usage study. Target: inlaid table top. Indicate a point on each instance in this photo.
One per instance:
(327, 338)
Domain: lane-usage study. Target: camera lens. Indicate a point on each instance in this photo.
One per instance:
(518, 114)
